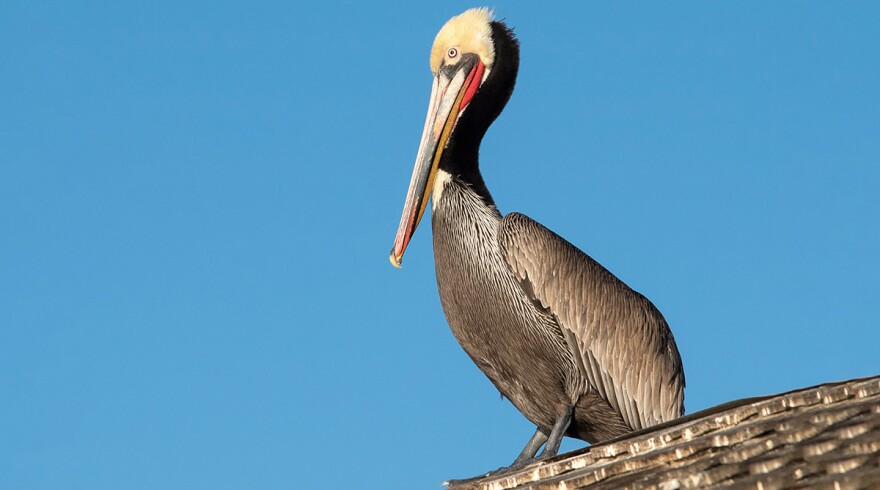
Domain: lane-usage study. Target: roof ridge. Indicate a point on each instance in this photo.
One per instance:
(798, 432)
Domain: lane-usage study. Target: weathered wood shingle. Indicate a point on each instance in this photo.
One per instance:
(826, 436)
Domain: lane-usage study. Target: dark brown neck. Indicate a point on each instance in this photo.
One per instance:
(461, 157)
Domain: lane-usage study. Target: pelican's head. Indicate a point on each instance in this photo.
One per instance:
(468, 34)
(462, 57)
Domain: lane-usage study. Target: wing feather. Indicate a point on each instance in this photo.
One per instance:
(621, 341)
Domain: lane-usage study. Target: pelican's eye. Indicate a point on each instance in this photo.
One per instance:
(452, 53)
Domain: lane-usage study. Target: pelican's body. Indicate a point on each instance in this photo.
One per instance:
(517, 344)
(571, 346)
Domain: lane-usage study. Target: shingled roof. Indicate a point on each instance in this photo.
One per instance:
(826, 436)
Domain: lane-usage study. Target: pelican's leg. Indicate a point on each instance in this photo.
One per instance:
(528, 453)
(525, 457)
(559, 428)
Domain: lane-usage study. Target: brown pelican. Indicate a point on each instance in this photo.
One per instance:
(577, 351)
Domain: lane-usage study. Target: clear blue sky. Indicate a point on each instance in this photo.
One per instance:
(197, 200)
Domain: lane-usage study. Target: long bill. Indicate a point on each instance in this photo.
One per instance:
(454, 87)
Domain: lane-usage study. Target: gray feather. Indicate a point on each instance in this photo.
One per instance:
(619, 337)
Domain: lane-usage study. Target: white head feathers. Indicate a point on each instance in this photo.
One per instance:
(469, 32)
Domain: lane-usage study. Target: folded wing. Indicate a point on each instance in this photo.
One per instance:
(620, 341)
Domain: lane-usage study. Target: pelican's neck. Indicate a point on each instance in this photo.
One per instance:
(461, 156)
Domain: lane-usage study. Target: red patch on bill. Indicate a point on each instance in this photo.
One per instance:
(474, 80)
